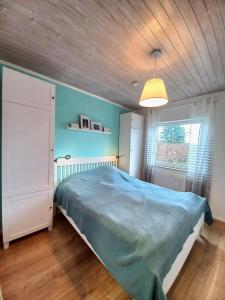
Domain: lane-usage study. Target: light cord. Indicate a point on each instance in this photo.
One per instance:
(155, 67)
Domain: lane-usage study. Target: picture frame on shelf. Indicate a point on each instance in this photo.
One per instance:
(106, 129)
(84, 122)
(96, 126)
(74, 125)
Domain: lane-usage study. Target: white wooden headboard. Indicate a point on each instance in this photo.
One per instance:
(66, 167)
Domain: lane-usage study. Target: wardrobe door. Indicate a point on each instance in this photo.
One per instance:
(137, 121)
(27, 149)
(124, 142)
(131, 143)
(27, 90)
(27, 158)
(136, 152)
(28, 213)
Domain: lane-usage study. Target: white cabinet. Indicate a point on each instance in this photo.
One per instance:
(23, 89)
(131, 143)
(27, 154)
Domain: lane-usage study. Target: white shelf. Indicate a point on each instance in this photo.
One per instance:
(87, 130)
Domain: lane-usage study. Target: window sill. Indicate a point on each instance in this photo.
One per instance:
(171, 168)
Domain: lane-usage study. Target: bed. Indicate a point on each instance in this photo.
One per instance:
(142, 233)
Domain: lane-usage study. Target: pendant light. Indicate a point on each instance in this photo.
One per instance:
(154, 92)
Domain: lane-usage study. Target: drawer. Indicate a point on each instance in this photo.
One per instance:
(26, 214)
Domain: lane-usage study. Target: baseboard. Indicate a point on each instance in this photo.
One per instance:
(1, 297)
(1, 243)
(221, 219)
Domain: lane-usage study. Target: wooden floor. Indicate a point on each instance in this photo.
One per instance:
(58, 265)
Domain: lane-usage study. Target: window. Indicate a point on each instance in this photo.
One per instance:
(173, 142)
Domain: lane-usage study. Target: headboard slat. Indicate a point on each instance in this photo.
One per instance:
(64, 168)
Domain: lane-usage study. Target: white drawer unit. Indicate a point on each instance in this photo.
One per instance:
(21, 217)
(27, 154)
(131, 143)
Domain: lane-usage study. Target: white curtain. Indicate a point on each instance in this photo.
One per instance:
(200, 157)
(150, 146)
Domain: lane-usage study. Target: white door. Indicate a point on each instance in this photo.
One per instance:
(28, 213)
(137, 121)
(27, 159)
(27, 90)
(27, 149)
(124, 142)
(136, 152)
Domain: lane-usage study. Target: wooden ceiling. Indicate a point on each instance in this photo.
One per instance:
(102, 46)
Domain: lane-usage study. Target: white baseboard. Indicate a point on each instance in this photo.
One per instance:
(221, 219)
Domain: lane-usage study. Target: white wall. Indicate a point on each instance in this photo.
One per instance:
(181, 110)
(218, 181)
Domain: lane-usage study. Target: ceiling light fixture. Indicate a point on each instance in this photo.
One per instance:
(154, 92)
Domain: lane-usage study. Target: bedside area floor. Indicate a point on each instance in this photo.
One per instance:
(59, 265)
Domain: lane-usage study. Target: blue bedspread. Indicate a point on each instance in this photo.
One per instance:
(136, 228)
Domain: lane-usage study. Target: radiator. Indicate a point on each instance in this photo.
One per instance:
(170, 178)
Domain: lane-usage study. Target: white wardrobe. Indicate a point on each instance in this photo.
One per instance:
(27, 154)
(131, 143)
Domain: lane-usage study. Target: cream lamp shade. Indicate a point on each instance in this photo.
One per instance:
(154, 93)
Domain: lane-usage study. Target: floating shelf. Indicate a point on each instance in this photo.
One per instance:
(87, 130)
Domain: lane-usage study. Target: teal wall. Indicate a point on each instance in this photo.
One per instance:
(69, 105)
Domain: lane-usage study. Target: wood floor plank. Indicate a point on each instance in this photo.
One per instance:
(58, 265)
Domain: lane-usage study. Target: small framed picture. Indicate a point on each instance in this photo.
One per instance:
(106, 129)
(96, 126)
(84, 122)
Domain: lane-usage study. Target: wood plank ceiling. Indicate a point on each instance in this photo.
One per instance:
(102, 46)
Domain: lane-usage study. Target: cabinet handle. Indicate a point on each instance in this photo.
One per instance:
(50, 207)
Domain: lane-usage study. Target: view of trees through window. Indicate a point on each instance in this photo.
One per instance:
(173, 143)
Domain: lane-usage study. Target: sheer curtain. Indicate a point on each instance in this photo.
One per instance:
(200, 156)
(150, 146)
(165, 177)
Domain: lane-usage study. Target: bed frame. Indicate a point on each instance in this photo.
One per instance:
(64, 168)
